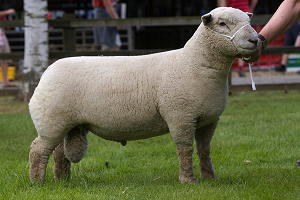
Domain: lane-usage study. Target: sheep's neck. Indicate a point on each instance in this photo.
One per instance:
(207, 50)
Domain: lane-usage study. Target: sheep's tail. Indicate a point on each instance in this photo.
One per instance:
(75, 144)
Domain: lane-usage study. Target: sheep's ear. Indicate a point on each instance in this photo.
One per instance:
(206, 18)
(249, 14)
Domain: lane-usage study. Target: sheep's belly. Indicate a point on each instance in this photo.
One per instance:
(130, 131)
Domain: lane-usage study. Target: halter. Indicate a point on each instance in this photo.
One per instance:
(231, 39)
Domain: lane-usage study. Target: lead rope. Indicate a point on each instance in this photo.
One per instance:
(231, 39)
(251, 77)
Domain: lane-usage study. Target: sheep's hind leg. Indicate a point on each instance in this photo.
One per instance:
(203, 137)
(72, 149)
(40, 151)
(62, 166)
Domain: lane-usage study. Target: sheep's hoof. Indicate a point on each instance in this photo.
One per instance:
(36, 174)
(207, 175)
(190, 180)
(62, 170)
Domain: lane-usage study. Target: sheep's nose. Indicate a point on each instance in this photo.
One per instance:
(254, 41)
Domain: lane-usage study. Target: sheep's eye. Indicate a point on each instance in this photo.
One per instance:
(222, 24)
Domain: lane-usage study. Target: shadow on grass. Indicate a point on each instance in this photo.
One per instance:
(279, 178)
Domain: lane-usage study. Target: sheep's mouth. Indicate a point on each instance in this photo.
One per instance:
(249, 49)
(245, 52)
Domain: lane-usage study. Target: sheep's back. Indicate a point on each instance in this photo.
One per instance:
(104, 92)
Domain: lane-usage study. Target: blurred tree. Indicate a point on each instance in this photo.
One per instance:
(36, 44)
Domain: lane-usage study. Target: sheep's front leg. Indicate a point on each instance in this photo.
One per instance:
(62, 166)
(183, 137)
(203, 137)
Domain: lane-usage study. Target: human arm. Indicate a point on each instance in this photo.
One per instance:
(287, 13)
(110, 9)
(253, 5)
(94, 3)
(297, 42)
(7, 12)
(222, 3)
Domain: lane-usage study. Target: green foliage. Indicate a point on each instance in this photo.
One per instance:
(254, 151)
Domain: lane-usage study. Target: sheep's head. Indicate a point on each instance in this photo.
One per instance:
(231, 29)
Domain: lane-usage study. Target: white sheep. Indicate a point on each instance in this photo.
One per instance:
(182, 91)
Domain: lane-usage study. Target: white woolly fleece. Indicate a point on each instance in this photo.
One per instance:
(129, 98)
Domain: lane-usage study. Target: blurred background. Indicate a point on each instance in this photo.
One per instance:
(271, 69)
(145, 37)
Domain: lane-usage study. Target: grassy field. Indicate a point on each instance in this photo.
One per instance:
(254, 151)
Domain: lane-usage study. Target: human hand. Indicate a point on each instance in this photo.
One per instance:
(261, 44)
(10, 11)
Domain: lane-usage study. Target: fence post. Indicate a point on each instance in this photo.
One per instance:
(230, 82)
(69, 40)
(130, 36)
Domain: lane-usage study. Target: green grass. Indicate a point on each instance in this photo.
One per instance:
(254, 151)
